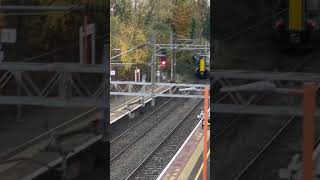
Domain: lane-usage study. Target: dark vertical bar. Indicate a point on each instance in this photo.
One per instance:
(171, 55)
(309, 129)
(85, 40)
(205, 133)
(107, 90)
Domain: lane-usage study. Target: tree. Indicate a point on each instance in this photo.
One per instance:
(134, 21)
(122, 9)
(126, 36)
(181, 22)
(46, 32)
(206, 27)
(193, 29)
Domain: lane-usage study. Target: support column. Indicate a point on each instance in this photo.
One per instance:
(2, 24)
(18, 89)
(85, 37)
(205, 133)
(153, 67)
(309, 102)
(64, 85)
(137, 75)
(105, 120)
(171, 55)
(174, 64)
(143, 90)
(158, 74)
(93, 47)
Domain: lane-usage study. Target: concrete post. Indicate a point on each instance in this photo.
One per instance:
(93, 47)
(309, 105)
(19, 82)
(153, 67)
(143, 90)
(171, 55)
(174, 65)
(85, 40)
(205, 136)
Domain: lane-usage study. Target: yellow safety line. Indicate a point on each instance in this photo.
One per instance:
(185, 173)
(200, 170)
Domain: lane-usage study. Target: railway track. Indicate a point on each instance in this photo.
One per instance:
(227, 121)
(78, 122)
(124, 148)
(134, 145)
(282, 145)
(139, 129)
(276, 154)
(73, 126)
(154, 163)
(26, 156)
(287, 130)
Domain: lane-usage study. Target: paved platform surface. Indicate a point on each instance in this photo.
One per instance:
(35, 121)
(197, 170)
(33, 126)
(117, 112)
(187, 163)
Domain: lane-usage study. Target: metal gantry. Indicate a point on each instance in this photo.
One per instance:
(183, 46)
(131, 88)
(237, 84)
(135, 88)
(186, 46)
(52, 84)
(174, 45)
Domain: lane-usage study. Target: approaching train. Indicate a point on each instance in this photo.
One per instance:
(296, 22)
(202, 65)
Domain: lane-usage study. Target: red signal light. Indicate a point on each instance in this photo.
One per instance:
(163, 61)
(311, 25)
(280, 25)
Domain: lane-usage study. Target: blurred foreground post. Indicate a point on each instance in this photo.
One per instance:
(205, 136)
(309, 106)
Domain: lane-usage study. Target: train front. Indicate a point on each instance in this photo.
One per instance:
(296, 23)
(202, 70)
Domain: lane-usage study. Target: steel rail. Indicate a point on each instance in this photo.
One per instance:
(266, 146)
(163, 141)
(282, 130)
(16, 150)
(141, 135)
(143, 119)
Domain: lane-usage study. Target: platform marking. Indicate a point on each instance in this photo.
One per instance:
(201, 167)
(177, 153)
(127, 112)
(189, 166)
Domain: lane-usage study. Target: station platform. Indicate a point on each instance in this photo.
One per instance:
(122, 110)
(32, 158)
(294, 171)
(33, 150)
(187, 162)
